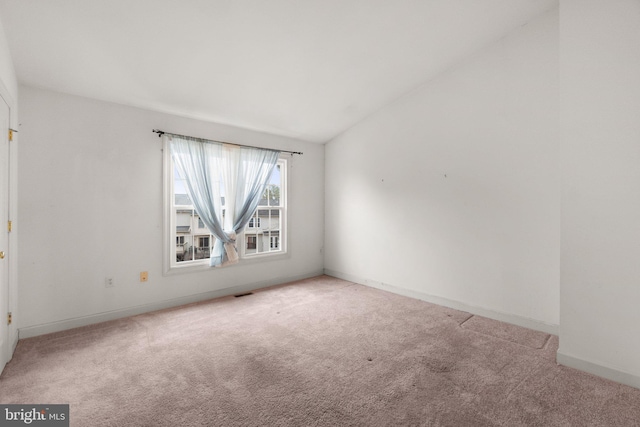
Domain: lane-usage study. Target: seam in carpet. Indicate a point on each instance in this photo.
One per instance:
(466, 320)
(546, 343)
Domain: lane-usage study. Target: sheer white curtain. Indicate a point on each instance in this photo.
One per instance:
(211, 168)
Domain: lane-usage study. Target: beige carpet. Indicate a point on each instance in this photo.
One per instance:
(319, 352)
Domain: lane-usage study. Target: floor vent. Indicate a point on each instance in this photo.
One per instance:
(243, 295)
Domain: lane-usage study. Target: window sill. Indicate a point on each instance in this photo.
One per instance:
(204, 266)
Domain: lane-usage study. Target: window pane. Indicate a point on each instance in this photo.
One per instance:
(183, 233)
(183, 250)
(272, 192)
(251, 243)
(274, 230)
(193, 241)
(180, 190)
(202, 249)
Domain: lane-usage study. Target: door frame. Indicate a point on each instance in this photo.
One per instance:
(12, 264)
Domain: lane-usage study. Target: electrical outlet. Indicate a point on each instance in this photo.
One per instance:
(108, 282)
(144, 276)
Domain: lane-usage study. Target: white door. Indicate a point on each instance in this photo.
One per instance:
(4, 232)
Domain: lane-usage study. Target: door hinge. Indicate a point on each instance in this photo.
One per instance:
(10, 134)
(9, 225)
(9, 318)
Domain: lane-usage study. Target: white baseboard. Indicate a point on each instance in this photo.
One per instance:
(598, 369)
(491, 314)
(62, 325)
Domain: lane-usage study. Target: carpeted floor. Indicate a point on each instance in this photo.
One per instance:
(318, 352)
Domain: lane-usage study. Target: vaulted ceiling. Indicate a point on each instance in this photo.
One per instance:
(308, 69)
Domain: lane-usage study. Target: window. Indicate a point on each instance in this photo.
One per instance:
(187, 246)
(251, 242)
(204, 241)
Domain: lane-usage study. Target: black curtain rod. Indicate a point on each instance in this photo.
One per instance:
(161, 132)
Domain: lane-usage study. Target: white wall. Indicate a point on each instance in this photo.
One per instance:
(9, 91)
(451, 194)
(7, 73)
(91, 207)
(600, 107)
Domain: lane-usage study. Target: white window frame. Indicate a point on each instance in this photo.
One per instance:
(171, 266)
